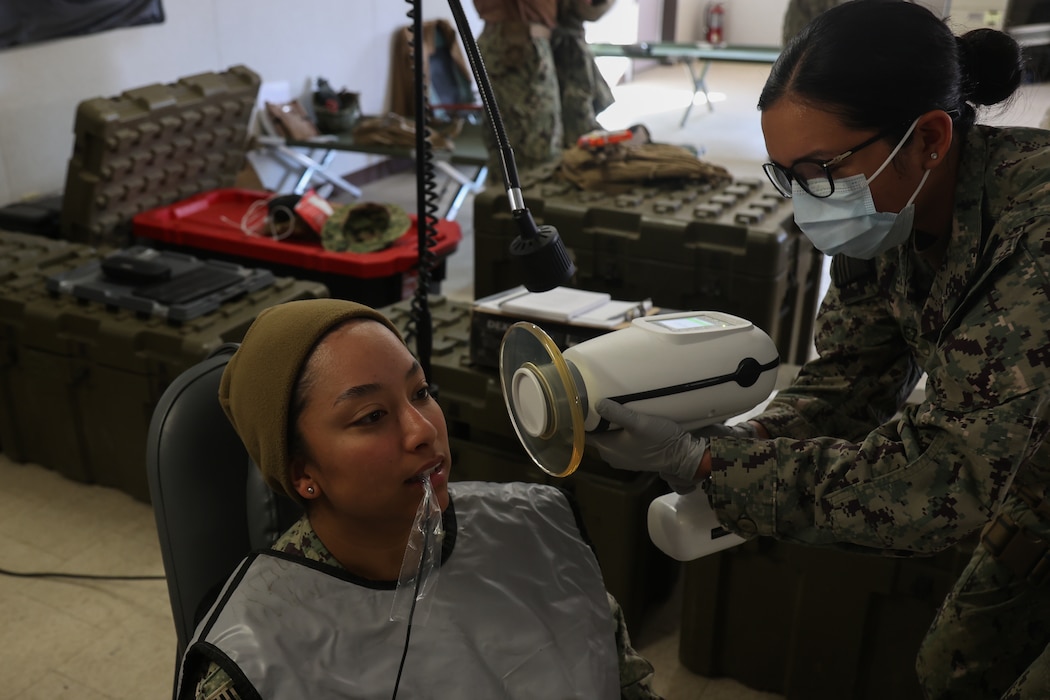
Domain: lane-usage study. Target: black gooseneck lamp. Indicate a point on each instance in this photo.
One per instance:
(539, 249)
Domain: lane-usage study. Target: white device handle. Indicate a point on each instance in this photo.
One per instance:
(686, 528)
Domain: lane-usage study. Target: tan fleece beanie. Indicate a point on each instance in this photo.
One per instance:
(257, 384)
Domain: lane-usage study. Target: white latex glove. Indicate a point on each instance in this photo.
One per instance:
(649, 444)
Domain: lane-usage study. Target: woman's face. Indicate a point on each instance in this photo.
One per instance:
(370, 427)
(794, 130)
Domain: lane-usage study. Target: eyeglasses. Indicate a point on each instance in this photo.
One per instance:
(813, 176)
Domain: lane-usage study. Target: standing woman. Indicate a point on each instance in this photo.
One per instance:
(938, 228)
(515, 44)
(543, 75)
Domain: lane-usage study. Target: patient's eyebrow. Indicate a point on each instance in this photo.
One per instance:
(355, 392)
(362, 390)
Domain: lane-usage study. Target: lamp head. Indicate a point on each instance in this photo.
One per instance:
(542, 254)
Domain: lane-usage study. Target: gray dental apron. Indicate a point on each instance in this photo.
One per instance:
(519, 611)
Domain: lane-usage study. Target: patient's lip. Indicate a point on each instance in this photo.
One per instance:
(432, 468)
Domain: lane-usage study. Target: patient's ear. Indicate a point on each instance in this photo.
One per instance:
(302, 480)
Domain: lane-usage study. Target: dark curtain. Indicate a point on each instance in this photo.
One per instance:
(29, 21)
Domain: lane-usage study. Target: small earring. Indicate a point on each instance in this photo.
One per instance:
(310, 490)
(933, 156)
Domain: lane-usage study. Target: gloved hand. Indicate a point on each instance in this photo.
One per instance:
(649, 444)
(747, 429)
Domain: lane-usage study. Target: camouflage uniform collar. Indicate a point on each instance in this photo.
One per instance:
(300, 540)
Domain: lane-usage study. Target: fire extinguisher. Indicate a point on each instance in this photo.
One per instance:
(715, 18)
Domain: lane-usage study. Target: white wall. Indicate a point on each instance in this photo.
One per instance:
(747, 22)
(760, 22)
(347, 41)
(755, 22)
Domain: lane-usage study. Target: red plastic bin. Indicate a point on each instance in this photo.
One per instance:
(211, 221)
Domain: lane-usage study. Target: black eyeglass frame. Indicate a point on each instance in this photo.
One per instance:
(772, 169)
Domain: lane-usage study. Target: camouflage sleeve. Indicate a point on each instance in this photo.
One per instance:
(583, 91)
(864, 370)
(636, 673)
(799, 13)
(215, 684)
(922, 480)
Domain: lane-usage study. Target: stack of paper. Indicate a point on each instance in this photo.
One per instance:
(565, 305)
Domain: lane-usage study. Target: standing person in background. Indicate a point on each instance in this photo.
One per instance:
(799, 13)
(536, 84)
(515, 44)
(938, 227)
(584, 92)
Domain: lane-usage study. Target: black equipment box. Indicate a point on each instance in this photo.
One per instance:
(613, 503)
(488, 328)
(833, 625)
(733, 248)
(173, 286)
(79, 378)
(152, 146)
(40, 215)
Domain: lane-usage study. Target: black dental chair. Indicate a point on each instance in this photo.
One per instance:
(211, 504)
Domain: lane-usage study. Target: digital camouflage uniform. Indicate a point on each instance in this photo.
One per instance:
(525, 84)
(920, 480)
(543, 75)
(799, 13)
(584, 92)
(635, 671)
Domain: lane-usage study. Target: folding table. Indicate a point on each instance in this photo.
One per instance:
(689, 54)
(468, 152)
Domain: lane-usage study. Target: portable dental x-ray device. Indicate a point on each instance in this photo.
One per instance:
(695, 368)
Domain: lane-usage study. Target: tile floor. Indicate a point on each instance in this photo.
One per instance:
(107, 639)
(79, 638)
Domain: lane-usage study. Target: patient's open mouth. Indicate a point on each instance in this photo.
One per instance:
(426, 472)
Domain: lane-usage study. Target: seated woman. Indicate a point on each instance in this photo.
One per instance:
(335, 410)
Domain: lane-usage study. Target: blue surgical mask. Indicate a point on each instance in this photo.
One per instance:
(846, 221)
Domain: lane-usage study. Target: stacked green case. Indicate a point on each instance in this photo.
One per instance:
(152, 146)
(813, 623)
(80, 378)
(27, 387)
(613, 503)
(733, 248)
(19, 250)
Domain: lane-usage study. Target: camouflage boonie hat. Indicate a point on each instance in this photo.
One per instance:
(364, 227)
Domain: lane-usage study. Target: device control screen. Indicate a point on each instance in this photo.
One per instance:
(690, 323)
